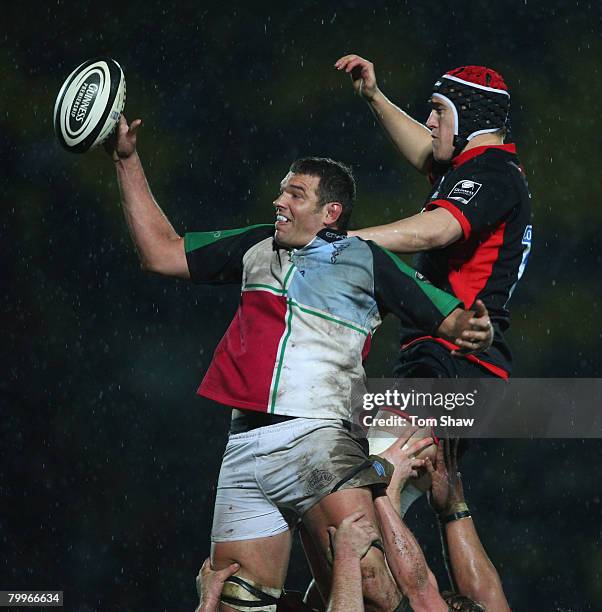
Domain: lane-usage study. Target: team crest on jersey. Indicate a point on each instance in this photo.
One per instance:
(464, 191)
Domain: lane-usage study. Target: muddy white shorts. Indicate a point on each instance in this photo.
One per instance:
(271, 476)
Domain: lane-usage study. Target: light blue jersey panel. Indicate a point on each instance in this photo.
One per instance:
(337, 278)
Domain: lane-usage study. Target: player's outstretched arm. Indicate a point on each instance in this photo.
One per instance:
(471, 330)
(433, 229)
(412, 139)
(406, 560)
(473, 573)
(159, 247)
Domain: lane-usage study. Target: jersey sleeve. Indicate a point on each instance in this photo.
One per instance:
(402, 291)
(478, 201)
(217, 257)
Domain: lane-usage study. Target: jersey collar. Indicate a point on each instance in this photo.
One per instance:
(330, 235)
(471, 153)
(325, 234)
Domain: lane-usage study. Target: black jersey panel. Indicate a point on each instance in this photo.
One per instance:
(399, 289)
(216, 257)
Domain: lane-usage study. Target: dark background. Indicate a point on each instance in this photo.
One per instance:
(108, 460)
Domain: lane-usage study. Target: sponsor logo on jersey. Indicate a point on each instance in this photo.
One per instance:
(379, 468)
(335, 236)
(464, 191)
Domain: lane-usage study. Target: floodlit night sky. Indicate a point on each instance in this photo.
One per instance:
(108, 461)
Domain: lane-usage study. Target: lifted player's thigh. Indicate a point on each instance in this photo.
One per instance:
(263, 565)
(380, 591)
(333, 508)
(263, 559)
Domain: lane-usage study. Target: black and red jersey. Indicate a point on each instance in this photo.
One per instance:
(486, 191)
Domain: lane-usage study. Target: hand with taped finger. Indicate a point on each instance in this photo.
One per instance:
(354, 536)
(361, 71)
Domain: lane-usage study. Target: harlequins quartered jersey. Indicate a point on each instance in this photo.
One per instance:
(486, 191)
(306, 317)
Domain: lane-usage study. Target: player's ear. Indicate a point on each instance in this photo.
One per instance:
(333, 212)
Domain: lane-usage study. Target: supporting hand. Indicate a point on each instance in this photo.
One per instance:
(122, 144)
(446, 488)
(209, 584)
(353, 537)
(402, 455)
(479, 334)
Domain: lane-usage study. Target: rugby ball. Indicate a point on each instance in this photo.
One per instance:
(89, 104)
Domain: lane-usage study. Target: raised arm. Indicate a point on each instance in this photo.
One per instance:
(406, 560)
(473, 573)
(159, 247)
(411, 138)
(432, 229)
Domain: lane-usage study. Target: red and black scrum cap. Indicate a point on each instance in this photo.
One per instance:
(479, 99)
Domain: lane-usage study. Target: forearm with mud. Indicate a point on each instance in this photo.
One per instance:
(149, 228)
(473, 573)
(410, 137)
(406, 560)
(346, 590)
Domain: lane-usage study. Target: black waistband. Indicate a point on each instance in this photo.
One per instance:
(246, 420)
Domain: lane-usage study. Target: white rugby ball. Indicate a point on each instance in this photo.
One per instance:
(89, 104)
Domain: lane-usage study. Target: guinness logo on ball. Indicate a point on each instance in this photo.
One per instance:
(83, 101)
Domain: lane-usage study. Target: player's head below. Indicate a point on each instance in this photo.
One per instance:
(471, 102)
(316, 193)
(459, 602)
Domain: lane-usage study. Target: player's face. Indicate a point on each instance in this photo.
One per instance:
(441, 123)
(298, 216)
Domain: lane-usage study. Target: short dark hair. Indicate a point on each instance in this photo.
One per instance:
(336, 183)
(461, 603)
